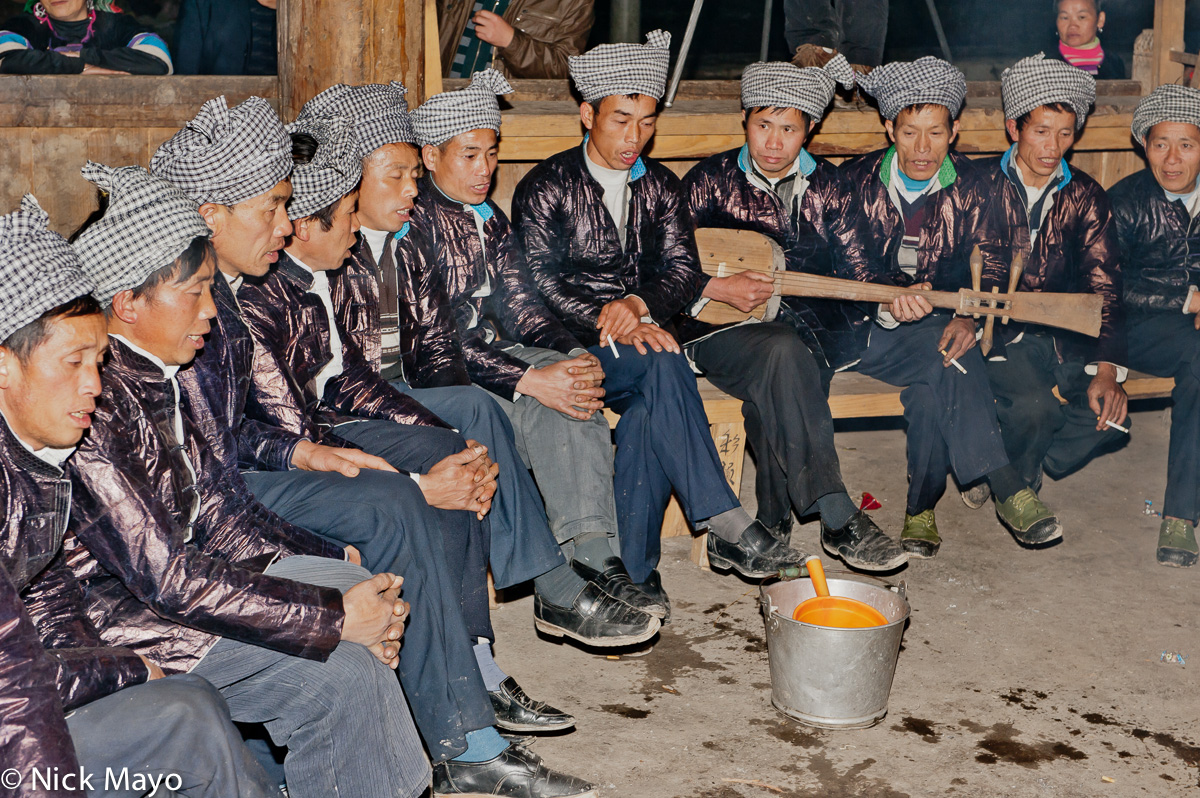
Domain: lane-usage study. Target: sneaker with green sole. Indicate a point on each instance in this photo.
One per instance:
(920, 536)
(1177, 543)
(1029, 520)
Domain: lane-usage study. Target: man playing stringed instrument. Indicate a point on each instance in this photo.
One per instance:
(1056, 220)
(925, 210)
(772, 185)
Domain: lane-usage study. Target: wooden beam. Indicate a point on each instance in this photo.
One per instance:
(119, 101)
(433, 53)
(1168, 36)
(410, 33)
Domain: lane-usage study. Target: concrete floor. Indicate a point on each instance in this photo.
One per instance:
(1023, 673)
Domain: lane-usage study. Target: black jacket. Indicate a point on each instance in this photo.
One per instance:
(112, 46)
(513, 311)
(1076, 251)
(575, 255)
(1156, 258)
(225, 37)
(826, 229)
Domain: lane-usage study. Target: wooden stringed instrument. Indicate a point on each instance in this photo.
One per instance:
(724, 253)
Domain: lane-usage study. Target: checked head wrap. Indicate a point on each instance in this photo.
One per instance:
(446, 115)
(621, 69)
(779, 84)
(1036, 81)
(902, 84)
(335, 168)
(378, 111)
(1167, 103)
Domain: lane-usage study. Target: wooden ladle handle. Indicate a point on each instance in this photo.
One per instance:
(816, 572)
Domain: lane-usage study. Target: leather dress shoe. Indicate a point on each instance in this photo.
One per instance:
(862, 545)
(757, 553)
(614, 580)
(594, 618)
(516, 711)
(652, 588)
(517, 772)
(782, 531)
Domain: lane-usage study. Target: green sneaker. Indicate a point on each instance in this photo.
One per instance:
(1177, 543)
(920, 536)
(1030, 521)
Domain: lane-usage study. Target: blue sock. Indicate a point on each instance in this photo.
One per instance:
(482, 745)
(488, 669)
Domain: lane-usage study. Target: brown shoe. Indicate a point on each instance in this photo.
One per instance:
(813, 55)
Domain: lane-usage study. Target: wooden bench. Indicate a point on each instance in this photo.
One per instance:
(851, 395)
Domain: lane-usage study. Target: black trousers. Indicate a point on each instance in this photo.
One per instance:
(1168, 345)
(1038, 430)
(951, 416)
(788, 425)
(855, 28)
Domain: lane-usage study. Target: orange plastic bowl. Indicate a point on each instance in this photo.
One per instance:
(838, 612)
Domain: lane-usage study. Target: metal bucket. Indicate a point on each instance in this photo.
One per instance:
(833, 678)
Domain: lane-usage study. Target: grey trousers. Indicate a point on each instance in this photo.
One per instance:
(175, 732)
(344, 721)
(571, 460)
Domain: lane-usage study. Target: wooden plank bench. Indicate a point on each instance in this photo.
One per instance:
(851, 395)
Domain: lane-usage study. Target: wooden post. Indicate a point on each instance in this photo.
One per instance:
(323, 43)
(1168, 36)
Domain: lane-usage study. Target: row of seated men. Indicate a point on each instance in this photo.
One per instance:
(286, 375)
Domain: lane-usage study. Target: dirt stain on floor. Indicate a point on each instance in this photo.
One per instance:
(1001, 745)
(795, 734)
(674, 656)
(625, 711)
(918, 726)
(1186, 752)
(850, 784)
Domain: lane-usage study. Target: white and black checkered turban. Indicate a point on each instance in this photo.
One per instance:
(147, 225)
(779, 84)
(1167, 103)
(901, 84)
(38, 269)
(444, 116)
(1036, 81)
(226, 156)
(378, 111)
(609, 69)
(334, 170)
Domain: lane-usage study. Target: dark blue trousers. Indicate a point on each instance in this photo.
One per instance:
(386, 518)
(522, 545)
(951, 416)
(1168, 345)
(663, 443)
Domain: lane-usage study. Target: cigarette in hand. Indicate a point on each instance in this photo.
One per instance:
(1117, 427)
(955, 363)
(613, 346)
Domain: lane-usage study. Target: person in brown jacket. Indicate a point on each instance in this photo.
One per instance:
(520, 38)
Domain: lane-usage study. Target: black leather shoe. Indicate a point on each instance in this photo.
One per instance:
(595, 618)
(652, 588)
(515, 773)
(614, 580)
(782, 531)
(757, 553)
(516, 711)
(862, 545)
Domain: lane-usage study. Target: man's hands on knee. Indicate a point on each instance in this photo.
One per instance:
(462, 481)
(911, 307)
(568, 386)
(1106, 397)
(650, 335)
(744, 291)
(620, 317)
(957, 339)
(375, 616)
(1194, 309)
(309, 456)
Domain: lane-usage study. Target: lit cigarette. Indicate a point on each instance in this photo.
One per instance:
(1117, 426)
(955, 363)
(613, 346)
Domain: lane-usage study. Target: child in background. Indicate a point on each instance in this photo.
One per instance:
(1079, 24)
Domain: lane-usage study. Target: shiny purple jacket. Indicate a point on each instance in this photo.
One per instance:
(513, 311)
(291, 330)
(217, 384)
(1076, 251)
(575, 254)
(958, 219)
(156, 584)
(430, 347)
(51, 656)
(826, 230)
